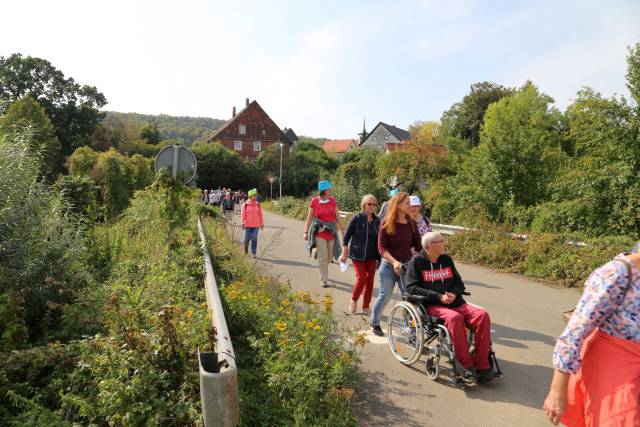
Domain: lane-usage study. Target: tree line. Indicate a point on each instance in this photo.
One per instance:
(503, 154)
(510, 156)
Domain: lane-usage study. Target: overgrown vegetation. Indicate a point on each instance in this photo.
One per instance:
(289, 206)
(543, 255)
(101, 320)
(294, 368)
(100, 323)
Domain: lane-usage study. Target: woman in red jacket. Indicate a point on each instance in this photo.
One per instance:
(251, 222)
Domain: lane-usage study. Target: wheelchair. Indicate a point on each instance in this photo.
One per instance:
(412, 332)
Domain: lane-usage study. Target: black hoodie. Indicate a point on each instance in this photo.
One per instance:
(433, 279)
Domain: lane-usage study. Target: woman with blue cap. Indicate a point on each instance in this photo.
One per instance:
(321, 229)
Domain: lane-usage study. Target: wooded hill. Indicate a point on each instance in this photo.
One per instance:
(189, 129)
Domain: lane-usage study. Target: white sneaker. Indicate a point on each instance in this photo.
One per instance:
(353, 305)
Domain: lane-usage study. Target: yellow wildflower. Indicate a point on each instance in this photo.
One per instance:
(327, 303)
(280, 325)
(283, 342)
(346, 358)
(342, 392)
(361, 339)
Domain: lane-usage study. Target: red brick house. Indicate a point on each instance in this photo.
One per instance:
(250, 131)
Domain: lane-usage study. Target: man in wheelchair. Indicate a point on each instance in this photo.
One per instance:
(432, 274)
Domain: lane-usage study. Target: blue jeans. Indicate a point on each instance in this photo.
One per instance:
(388, 279)
(251, 233)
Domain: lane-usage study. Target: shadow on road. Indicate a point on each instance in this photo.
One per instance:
(372, 406)
(480, 284)
(287, 262)
(520, 385)
(512, 337)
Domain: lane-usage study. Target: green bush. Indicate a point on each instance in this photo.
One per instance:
(41, 249)
(289, 206)
(542, 255)
(145, 319)
(81, 193)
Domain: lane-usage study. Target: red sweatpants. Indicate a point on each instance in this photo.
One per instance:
(365, 270)
(476, 319)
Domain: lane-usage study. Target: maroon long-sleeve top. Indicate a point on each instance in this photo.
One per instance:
(399, 244)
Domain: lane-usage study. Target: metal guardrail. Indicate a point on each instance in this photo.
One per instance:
(452, 229)
(218, 370)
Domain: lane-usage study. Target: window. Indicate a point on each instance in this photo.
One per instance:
(374, 138)
(256, 146)
(237, 145)
(242, 130)
(386, 137)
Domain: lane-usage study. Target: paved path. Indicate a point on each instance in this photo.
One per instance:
(525, 322)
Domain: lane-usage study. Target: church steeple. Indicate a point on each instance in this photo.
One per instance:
(364, 133)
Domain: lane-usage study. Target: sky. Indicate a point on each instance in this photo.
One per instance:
(321, 67)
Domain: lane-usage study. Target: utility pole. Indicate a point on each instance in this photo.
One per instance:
(281, 147)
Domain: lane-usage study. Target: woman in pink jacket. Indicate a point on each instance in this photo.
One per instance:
(251, 222)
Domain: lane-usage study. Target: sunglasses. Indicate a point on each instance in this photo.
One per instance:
(372, 204)
(439, 241)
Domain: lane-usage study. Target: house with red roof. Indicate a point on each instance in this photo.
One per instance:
(339, 146)
(250, 131)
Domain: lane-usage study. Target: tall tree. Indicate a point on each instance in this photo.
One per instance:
(73, 108)
(27, 115)
(633, 73)
(464, 119)
(220, 167)
(149, 133)
(520, 150)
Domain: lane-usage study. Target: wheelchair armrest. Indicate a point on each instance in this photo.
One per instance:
(418, 299)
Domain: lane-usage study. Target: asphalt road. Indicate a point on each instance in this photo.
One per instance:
(525, 322)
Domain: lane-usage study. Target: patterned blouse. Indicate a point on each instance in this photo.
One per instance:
(424, 226)
(607, 304)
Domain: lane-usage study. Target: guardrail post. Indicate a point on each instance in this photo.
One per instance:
(218, 370)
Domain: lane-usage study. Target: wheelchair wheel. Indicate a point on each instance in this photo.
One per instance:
(405, 332)
(433, 367)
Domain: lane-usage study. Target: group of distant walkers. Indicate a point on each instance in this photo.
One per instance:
(250, 212)
(596, 381)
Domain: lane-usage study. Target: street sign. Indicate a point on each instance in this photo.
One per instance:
(179, 159)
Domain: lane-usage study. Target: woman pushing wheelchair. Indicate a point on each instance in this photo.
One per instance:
(432, 274)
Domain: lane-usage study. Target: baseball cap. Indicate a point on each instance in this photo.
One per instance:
(414, 201)
(324, 185)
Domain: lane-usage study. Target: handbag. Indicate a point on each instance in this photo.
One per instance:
(566, 314)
